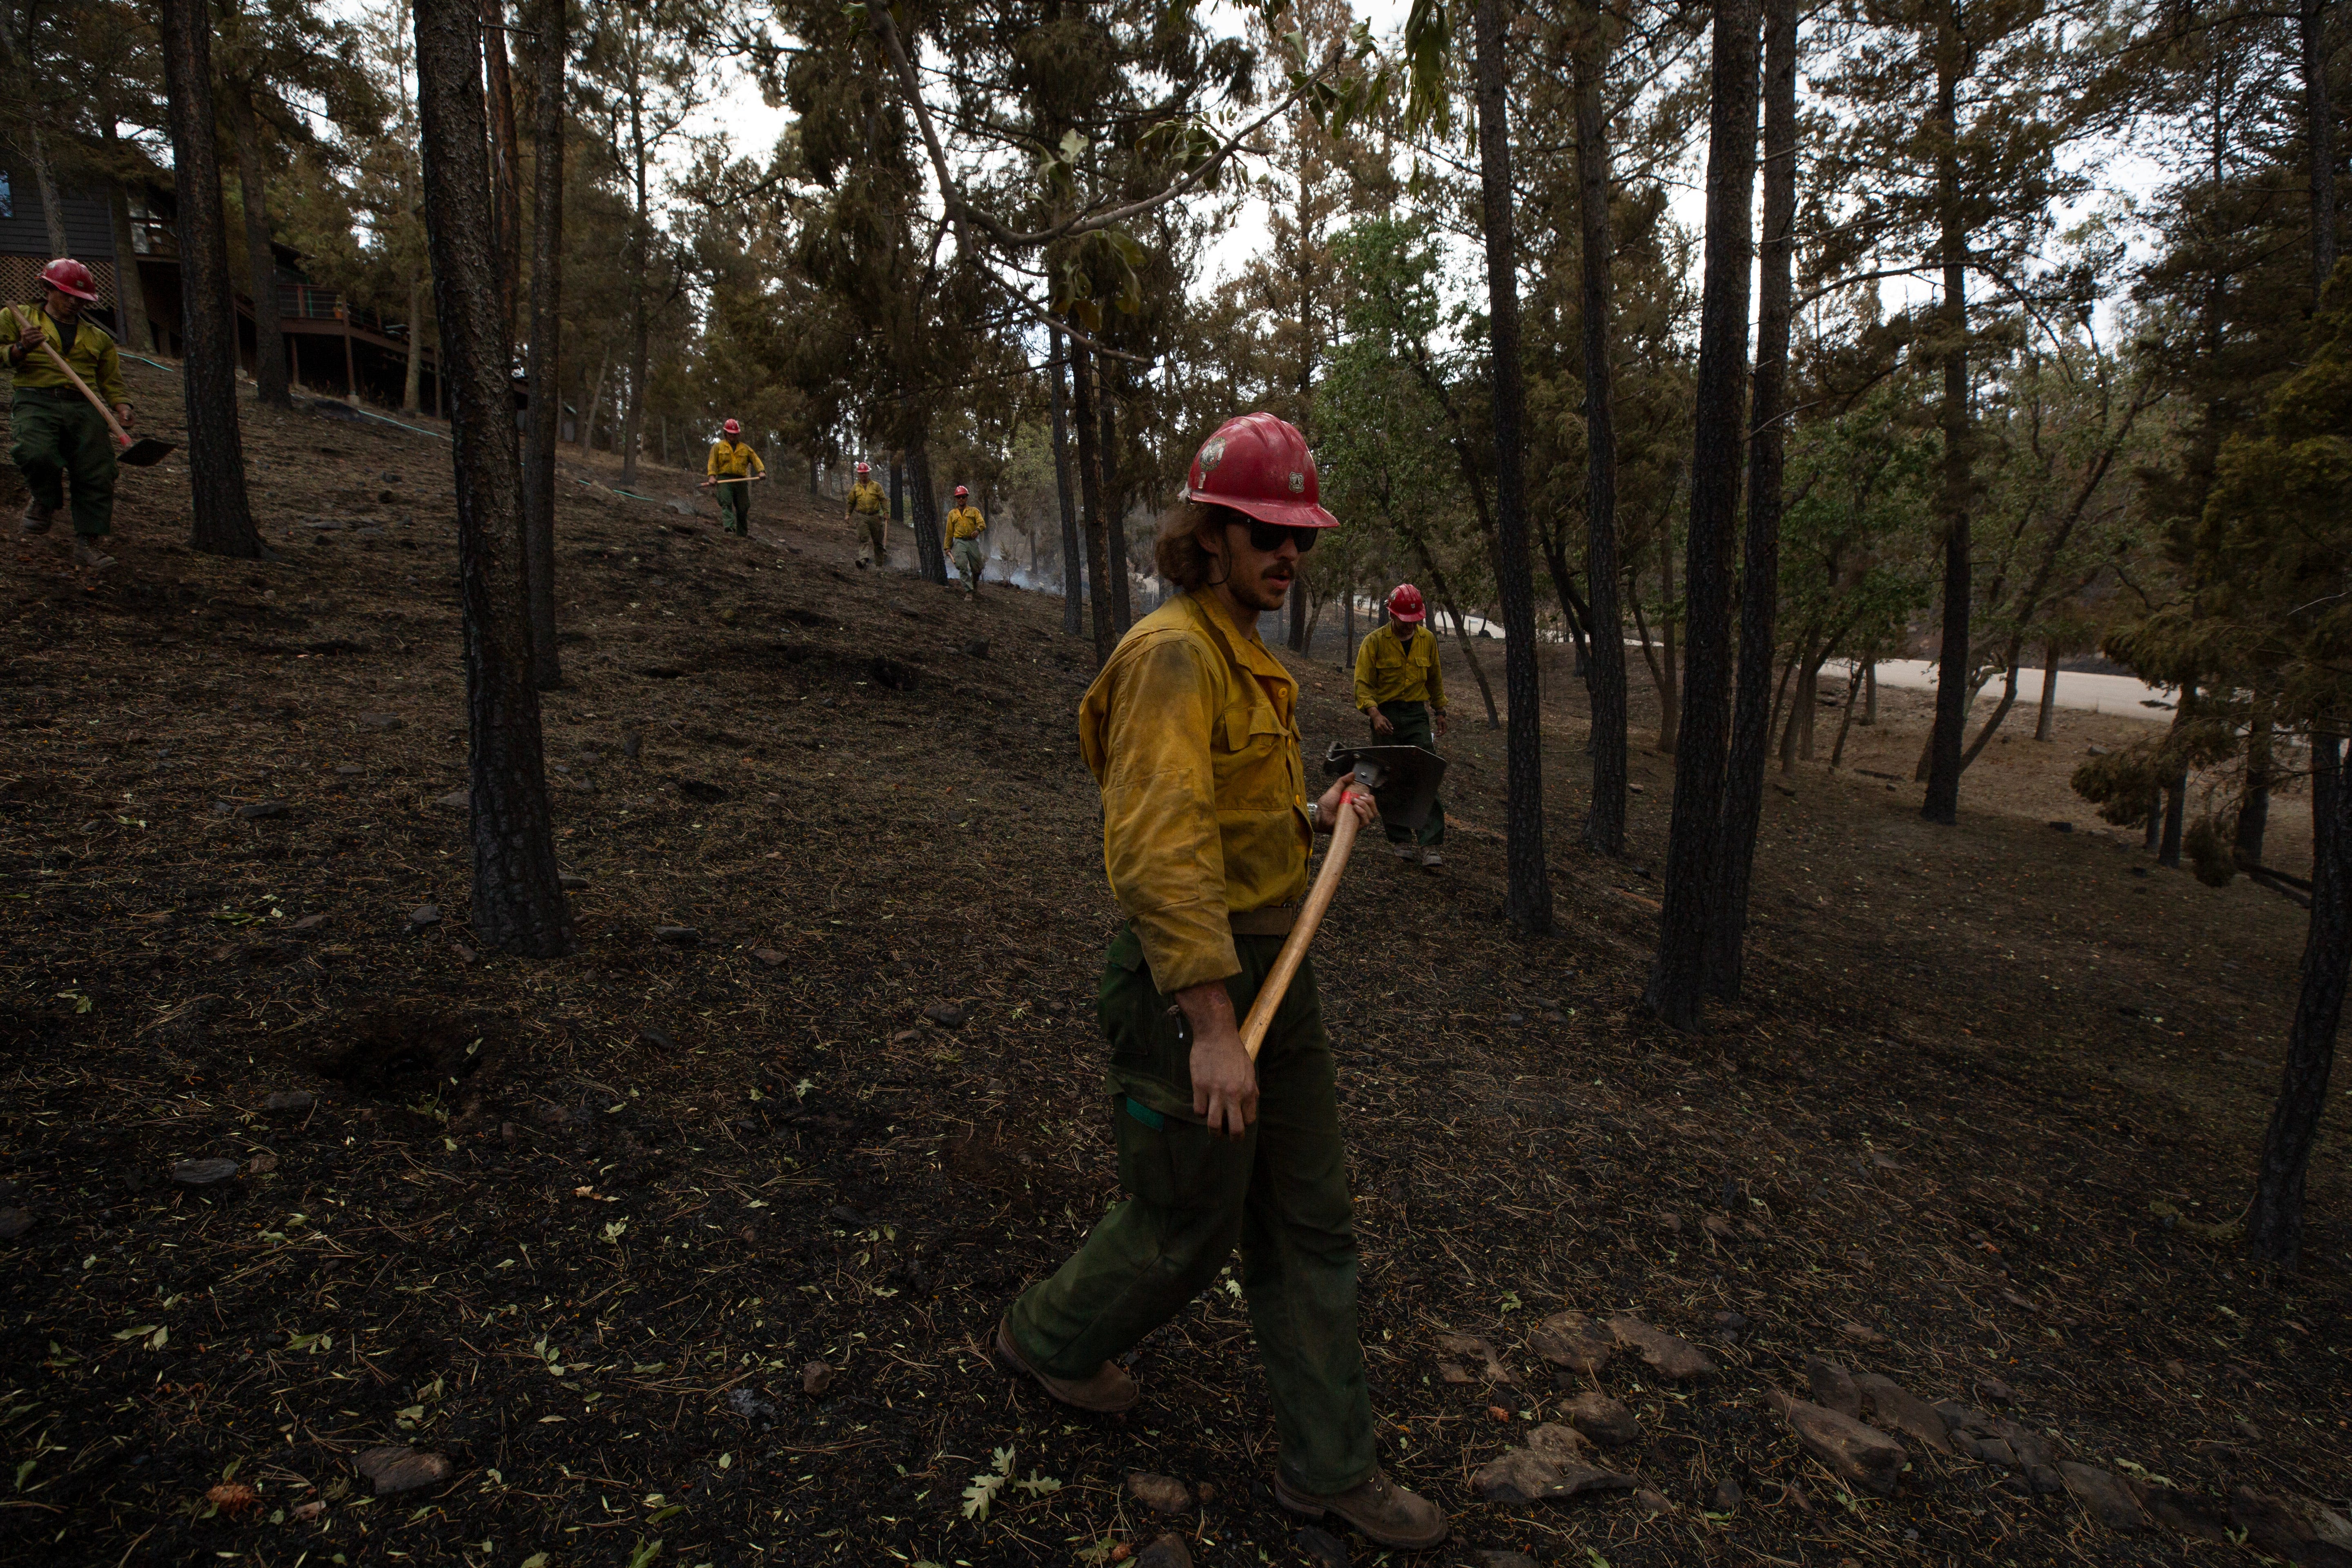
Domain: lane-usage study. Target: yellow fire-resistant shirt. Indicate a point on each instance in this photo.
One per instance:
(733, 460)
(867, 497)
(1388, 670)
(965, 523)
(1192, 731)
(92, 355)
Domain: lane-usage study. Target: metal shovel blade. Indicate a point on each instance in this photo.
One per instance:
(145, 452)
(1403, 779)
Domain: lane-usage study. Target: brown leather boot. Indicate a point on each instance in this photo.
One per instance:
(37, 518)
(1379, 1508)
(1107, 1392)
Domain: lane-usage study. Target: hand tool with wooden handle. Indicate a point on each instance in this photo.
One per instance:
(1403, 780)
(143, 452)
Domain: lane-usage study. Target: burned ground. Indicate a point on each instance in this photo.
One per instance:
(821, 1084)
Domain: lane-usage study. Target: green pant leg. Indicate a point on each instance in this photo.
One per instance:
(968, 560)
(735, 508)
(1415, 728)
(36, 450)
(88, 449)
(1298, 1256)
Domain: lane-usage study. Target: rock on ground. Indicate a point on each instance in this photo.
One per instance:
(1162, 1494)
(1472, 1346)
(1832, 1386)
(1527, 1475)
(1603, 1419)
(1890, 1404)
(1669, 1357)
(1573, 1341)
(2107, 1498)
(401, 1470)
(1862, 1455)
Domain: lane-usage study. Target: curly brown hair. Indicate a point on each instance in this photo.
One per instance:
(1176, 544)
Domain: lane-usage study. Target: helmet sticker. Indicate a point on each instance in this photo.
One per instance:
(1298, 484)
(1213, 454)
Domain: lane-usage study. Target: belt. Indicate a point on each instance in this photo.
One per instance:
(1275, 920)
(66, 393)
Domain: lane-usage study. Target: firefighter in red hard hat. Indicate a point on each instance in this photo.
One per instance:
(965, 525)
(732, 470)
(1401, 690)
(58, 435)
(1192, 732)
(866, 514)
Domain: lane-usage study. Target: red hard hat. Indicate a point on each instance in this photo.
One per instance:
(1259, 466)
(68, 275)
(961, 491)
(732, 428)
(864, 469)
(1404, 605)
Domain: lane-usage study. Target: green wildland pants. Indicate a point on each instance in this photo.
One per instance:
(1413, 728)
(872, 541)
(966, 562)
(735, 508)
(1280, 1191)
(57, 433)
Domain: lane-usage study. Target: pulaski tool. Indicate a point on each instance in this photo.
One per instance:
(145, 452)
(1403, 782)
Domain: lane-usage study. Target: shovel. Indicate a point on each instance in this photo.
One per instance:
(143, 453)
(1403, 780)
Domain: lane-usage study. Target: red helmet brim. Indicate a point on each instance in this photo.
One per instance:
(1282, 513)
(86, 296)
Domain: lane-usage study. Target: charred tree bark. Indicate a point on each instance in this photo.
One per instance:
(268, 337)
(640, 303)
(1073, 574)
(2274, 1223)
(2049, 690)
(1098, 565)
(506, 165)
(2254, 812)
(1957, 492)
(132, 327)
(1604, 827)
(1670, 704)
(518, 903)
(412, 385)
(1526, 899)
(1760, 590)
(2319, 131)
(2176, 780)
(221, 518)
(541, 369)
(1675, 995)
(1114, 504)
(929, 550)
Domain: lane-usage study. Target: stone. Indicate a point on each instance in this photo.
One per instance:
(203, 1172)
(677, 936)
(1322, 1548)
(815, 1378)
(1168, 1552)
(401, 1470)
(1525, 1475)
(2295, 1529)
(1491, 1559)
(1676, 1360)
(683, 508)
(1725, 1496)
(1995, 1392)
(290, 1102)
(311, 922)
(1991, 1450)
(1962, 1418)
(768, 955)
(1603, 1419)
(259, 810)
(261, 1164)
(1454, 1372)
(1730, 1326)
(1890, 1404)
(1862, 1455)
(1862, 1333)
(1573, 1341)
(425, 915)
(570, 881)
(349, 770)
(1832, 1386)
(455, 800)
(750, 1406)
(947, 1015)
(1719, 1226)
(1648, 1501)
(383, 720)
(1162, 1494)
(2104, 1496)
(2178, 1512)
(1554, 1441)
(14, 1223)
(1472, 1346)
(2036, 1456)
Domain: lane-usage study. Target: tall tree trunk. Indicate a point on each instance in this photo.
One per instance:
(1760, 581)
(596, 401)
(1098, 563)
(1870, 692)
(412, 385)
(221, 519)
(2320, 130)
(1956, 495)
(2274, 1223)
(518, 903)
(1444, 592)
(2254, 813)
(1114, 502)
(1845, 717)
(2176, 780)
(268, 337)
(1670, 706)
(640, 306)
(1676, 988)
(1526, 900)
(1073, 574)
(1604, 828)
(132, 326)
(2049, 690)
(929, 550)
(506, 168)
(542, 372)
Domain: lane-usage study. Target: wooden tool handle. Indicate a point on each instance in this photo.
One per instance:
(1293, 951)
(80, 386)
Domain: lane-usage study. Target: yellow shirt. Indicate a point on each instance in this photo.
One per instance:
(1192, 731)
(866, 496)
(965, 523)
(732, 459)
(92, 355)
(1388, 671)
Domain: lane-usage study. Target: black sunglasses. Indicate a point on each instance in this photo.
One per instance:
(1267, 537)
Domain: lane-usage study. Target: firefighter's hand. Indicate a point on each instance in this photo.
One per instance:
(1380, 724)
(28, 338)
(710, 484)
(1441, 723)
(1224, 1080)
(1327, 809)
(122, 416)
